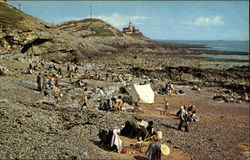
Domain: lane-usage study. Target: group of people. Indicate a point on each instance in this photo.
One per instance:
(187, 116)
(120, 103)
(142, 129)
(45, 81)
(230, 96)
(72, 68)
(48, 82)
(168, 89)
(154, 134)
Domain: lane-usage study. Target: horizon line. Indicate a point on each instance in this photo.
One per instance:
(200, 39)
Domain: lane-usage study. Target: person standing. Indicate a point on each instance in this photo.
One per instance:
(107, 77)
(57, 93)
(155, 150)
(183, 119)
(85, 99)
(76, 69)
(44, 81)
(39, 81)
(59, 71)
(30, 69)
(68, 67)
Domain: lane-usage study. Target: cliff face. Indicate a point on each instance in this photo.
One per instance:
(21, 33)
(74, 40)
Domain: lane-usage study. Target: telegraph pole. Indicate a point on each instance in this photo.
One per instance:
(90, 11)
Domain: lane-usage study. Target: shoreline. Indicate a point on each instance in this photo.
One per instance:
(203, 48)
(189, 52)
(210, 59)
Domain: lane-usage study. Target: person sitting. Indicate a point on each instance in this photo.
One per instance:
(158, 135)
(139, 143)
(142, 123)
(109, 104)
(190, 109)
(118, 103)
(193, 117)
(150, 128)
(103, 137)
(130, 130)
(245, 96)
(102, 105)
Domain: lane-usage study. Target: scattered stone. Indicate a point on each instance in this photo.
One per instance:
(4, 101)
(4, 71)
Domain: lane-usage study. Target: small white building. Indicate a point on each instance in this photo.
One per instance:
(130, 29)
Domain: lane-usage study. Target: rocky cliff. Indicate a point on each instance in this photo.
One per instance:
(74, 40)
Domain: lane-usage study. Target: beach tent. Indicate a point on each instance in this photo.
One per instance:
(144, 92)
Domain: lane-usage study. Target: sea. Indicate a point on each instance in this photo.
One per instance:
(220, 45)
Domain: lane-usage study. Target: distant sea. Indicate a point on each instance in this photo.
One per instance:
(221, 45)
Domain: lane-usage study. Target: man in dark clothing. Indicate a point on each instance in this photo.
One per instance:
(154, 151)
(59, 71)
(150, 128)
(30, 70)
(107, 77)
(76, 69)
(39, 81)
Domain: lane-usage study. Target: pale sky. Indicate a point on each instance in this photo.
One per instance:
(162, 20)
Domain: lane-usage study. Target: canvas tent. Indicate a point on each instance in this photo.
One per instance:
(144, 92)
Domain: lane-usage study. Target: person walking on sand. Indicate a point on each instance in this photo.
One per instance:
(183, 119)
(39, 80)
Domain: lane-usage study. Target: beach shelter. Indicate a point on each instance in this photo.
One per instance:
(144, 92)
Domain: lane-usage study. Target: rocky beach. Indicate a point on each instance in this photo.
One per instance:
(46, 125)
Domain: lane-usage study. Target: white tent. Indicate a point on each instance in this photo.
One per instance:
(144, 92)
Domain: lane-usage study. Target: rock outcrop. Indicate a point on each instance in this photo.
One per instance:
(21, 33)
(74, 40)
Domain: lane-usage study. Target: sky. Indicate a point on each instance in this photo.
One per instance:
(160, 20)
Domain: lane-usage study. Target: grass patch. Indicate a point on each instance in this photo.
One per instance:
(9, 13)
(100, 31)
(91, 20)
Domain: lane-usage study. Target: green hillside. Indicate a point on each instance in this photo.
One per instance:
(8, 13)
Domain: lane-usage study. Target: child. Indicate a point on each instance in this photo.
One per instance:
(139, 144)
(193, 116)
(158, 136)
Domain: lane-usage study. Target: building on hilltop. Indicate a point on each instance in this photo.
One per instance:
(130, 29)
